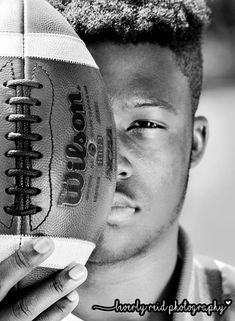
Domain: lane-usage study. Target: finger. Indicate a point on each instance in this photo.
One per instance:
(22, 262)
(41, 298)
(61, 308)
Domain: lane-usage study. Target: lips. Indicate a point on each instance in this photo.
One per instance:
(122, 212)
(121, 200)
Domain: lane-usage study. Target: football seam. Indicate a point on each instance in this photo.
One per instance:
(5, 65)
(37, 66)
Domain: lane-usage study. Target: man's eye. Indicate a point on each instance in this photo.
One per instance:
(146, 124)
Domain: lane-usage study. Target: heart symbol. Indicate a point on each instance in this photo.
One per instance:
(228, 302)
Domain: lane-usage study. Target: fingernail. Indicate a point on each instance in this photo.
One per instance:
(42, 245)
(72, 296)
(76, 272)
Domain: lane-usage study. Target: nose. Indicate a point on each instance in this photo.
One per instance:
(124, 167)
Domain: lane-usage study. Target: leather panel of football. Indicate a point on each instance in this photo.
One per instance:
(11, 16)
(60, 80)
(45, 19)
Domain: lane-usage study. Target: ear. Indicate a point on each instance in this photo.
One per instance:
(200, 137)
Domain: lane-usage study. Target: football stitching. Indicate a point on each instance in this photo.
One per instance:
(36, 67)
(23, 152)
(4, 66)
(12, 70)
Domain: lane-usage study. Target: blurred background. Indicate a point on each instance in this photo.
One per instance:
(209, 211)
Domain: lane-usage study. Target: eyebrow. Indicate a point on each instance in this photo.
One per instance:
(157, 103)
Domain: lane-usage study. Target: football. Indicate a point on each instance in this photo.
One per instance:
(57, 136)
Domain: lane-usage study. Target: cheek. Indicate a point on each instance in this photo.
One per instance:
(163, 166)
(179, 156)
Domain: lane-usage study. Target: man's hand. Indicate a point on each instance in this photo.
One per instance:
(52, 300)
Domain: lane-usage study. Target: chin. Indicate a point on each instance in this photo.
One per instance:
(111, 248)
(121, 245)
(103, 256)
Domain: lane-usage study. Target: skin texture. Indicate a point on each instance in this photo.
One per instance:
(158, 142)
(52, 299)
(144, 83)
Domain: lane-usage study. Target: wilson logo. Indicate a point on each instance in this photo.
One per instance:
(76, 153)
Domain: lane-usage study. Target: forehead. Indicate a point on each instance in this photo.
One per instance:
(144, 70)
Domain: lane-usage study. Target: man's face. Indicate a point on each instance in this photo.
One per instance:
(151, 103)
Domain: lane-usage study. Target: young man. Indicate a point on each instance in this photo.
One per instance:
(149, 53)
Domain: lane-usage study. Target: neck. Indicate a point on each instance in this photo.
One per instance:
(145, 277)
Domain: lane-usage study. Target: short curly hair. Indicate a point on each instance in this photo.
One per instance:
(177, 24)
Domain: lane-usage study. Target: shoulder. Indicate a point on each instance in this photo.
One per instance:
(217, 271)
(219, 279)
